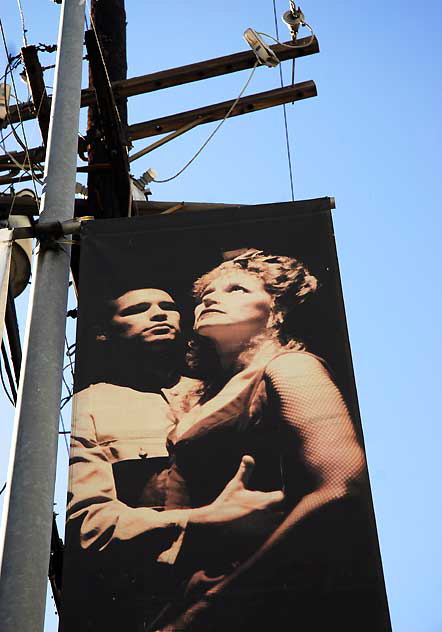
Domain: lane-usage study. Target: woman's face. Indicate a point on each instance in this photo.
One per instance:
(234, 308)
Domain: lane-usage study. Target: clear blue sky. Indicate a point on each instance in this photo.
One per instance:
(372, 139)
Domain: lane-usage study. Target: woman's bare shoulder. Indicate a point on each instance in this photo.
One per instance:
(295, 364)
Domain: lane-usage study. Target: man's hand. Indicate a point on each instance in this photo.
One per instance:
(236, 501)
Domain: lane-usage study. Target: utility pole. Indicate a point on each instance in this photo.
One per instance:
(28, 513)
(108, 21)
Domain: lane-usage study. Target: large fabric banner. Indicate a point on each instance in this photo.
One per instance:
(218, 480)
(5, 265)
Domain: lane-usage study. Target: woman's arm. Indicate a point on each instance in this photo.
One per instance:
(313, 414)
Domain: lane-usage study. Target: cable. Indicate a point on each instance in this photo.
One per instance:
(64, 433)
(5, 137)
(22, 18)
(104, 63)
(276, 39)
(14, 63)
(289, 158)
(68, 397)
(70, 351)
(13, 129)
(63, 403)
(4, 386)
(9, 373)
(19, 114)
(230, 110)
(2, 489)
(17, 164)
(21, 167)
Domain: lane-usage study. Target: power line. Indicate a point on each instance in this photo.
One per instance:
(22, 19)
(209, 138)
(289, 158)
(25, 146)
(64, 433)
(12, 398)
(103, 59)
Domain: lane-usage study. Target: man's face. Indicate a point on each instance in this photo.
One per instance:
(148, 315)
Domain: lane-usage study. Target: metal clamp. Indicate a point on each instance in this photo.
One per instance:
(46, 231)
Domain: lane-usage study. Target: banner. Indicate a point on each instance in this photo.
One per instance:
(5, 264)
(218, 479)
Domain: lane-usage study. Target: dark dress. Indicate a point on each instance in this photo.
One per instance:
(329, 579)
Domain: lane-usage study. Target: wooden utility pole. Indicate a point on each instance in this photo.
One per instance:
(104, 96)
(108, 21)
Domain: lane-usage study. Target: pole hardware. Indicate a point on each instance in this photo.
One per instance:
(293, 18)
(181, 75)
(47, 232)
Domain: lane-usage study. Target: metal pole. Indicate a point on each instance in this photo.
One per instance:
(27, 519)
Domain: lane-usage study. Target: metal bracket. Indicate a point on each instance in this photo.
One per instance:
(49, 231)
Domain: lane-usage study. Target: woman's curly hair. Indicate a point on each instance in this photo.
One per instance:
(289, 283)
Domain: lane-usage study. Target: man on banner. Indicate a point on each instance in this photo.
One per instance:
(121, 543)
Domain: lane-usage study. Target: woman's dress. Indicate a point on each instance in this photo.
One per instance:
(327, 577)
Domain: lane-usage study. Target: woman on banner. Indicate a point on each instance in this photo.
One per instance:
(120, 544)
(264, 396)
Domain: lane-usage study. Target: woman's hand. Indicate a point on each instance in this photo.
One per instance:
(236, 501)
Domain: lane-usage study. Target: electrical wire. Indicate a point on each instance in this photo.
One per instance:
(287, 141)
(63, 403)
(13, 129)
(103, 61)
(22, 145)
(9, 372)
(17, 164)
(22, 19)
(20, 166)
(209, 138)
(3, 138)
(14, 63)
(4, 386)
(70, 351)
(2, 489)
(25, 145)
(276, 39)
(68, 397)
(64, 433)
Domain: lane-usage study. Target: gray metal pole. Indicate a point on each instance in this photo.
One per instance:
(26, 527)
